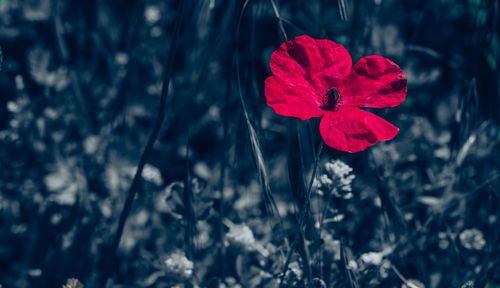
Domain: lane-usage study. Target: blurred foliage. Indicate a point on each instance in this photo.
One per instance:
(80, 83)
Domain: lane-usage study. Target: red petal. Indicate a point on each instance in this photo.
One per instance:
(292, 100)
(353, 130)
(374, 82)
(320, 62)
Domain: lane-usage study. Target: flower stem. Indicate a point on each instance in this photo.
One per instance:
(132, 191)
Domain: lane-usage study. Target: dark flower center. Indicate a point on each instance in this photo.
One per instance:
(331, 100)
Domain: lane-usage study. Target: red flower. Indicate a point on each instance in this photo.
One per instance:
(315, 77)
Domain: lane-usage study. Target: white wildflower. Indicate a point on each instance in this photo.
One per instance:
(375, 258)
(121, 58)
(64, 182)
(325, 180)
(336, 180)
(202, 170)
(90, 144)
(152, 174)
(39, 64)
(385, 268)
(295, 269)
(203, 238)
(352, 265)
(35, 272)
(178, 266)
(472, 239)
(246, 202)
(241, 235)
(338, 168)
(348, 196)
(73, 283)
(332, 245)
(152, 14)
(346, 182)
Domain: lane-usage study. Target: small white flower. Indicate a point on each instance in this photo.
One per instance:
(295, 269)
(90, 144)
(338, 168)
(241, 235)
(152, 14)
(65, 181)
(121, 58)
(348, 196)
(39, 64)
(179, 266)
(374, 258)
(152, 174)
(352, 265)
(325, 180)
(337, 179)
(332, 245)
(316, 185)
(472, 239)
(73, 283)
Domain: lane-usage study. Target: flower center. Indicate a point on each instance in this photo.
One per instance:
(331, 100)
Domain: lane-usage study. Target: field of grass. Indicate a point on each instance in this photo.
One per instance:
(137, 148)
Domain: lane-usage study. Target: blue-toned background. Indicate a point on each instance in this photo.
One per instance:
(80, 86)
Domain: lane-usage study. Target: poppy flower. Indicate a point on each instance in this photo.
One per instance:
(316, 78)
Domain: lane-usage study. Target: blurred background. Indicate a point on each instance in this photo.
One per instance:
(223, 195)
